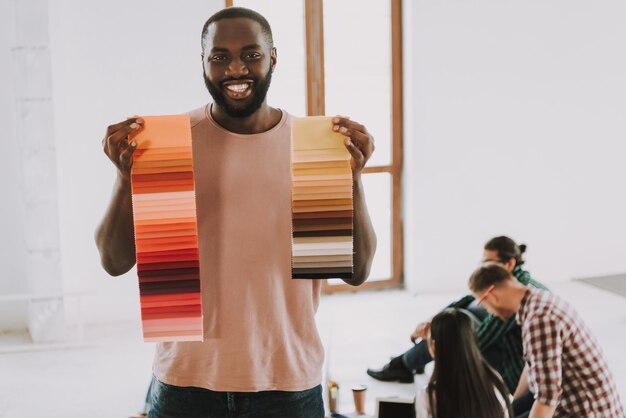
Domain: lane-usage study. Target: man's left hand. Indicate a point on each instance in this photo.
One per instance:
(358, 142)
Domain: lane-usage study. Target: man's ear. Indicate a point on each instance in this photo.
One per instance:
(510, 265)
(494, 295)
(273, 58)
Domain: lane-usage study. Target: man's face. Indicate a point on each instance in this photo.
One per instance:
(238, 63)
(492, 255)
(493, 301)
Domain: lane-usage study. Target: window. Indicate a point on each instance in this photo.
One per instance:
(328, 65)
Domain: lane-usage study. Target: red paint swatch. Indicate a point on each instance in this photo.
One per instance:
(166, 231)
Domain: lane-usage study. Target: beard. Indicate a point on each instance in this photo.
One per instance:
(259, 92)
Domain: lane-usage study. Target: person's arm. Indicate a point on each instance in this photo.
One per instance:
(462, 303)
(543, 344)
(360, 144)
(522, 386)
(540, 410)
(114, 236)
(422, 331)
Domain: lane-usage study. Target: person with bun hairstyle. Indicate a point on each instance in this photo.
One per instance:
(499, 341)
(480, 394)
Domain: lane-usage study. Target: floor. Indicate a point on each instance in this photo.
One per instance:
(108, 376)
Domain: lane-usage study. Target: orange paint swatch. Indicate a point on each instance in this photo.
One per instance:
(166, 231)
(321, 203)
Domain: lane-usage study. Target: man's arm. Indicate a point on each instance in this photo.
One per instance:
(542, 337)
(114, 236)
(364, 236)
(360, 144)
(540, 410)
(462, 303)
(522, 386)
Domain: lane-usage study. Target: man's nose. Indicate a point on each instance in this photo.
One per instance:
(237, 68)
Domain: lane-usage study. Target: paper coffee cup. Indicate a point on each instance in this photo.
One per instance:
(358, 392)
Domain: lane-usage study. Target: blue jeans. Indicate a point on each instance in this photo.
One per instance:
(190, 402)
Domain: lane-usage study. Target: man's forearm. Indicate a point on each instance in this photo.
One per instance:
(114, 236)
(364, 236)
(540, 410)
(522, 386)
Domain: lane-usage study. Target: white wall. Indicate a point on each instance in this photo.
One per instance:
(12, 247)
(515, 125)
(111, 60)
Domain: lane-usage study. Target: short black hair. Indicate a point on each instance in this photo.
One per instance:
(490, 273)
(237, 12)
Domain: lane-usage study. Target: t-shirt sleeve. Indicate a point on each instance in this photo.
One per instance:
(543, 343)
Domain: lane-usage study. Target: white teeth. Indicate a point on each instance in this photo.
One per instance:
(238, 88)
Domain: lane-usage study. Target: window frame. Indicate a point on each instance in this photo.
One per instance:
(314, 39)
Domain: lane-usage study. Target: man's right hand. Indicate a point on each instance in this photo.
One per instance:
(114, 236)
(118, 144)
(422, 331)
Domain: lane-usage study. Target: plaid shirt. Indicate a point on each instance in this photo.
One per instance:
(507, 334)
(566, 366)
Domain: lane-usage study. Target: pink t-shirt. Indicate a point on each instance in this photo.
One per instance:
(259, 326)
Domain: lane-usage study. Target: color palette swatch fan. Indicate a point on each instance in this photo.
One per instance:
(166, 233)
(322, 209)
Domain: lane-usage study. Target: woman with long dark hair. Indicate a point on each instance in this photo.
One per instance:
(462, 383)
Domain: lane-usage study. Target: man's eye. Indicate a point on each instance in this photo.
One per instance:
(218, 58)
(253, 56)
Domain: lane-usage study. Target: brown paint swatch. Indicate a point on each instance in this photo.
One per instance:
(322, 205)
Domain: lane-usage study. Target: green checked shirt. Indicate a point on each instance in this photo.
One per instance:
(507, 333)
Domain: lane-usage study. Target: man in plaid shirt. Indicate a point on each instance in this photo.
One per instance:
(567, 372)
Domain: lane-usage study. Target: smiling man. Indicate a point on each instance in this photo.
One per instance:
(238, 88)
(262, 355)
(567, 372)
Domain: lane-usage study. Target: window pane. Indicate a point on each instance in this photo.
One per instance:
(288, 89)
(378, 197)
(357, 55)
